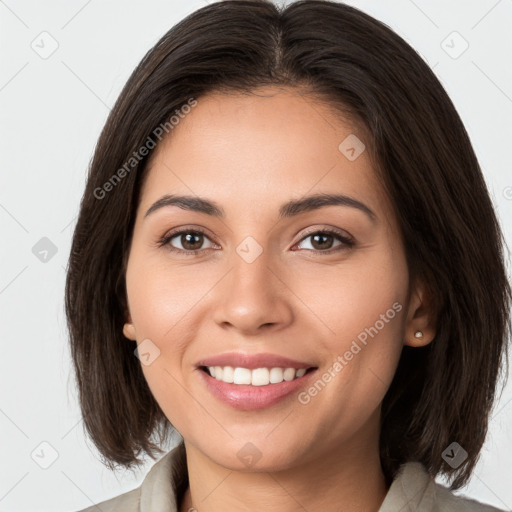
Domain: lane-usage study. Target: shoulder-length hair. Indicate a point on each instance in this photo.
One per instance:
(421, 151)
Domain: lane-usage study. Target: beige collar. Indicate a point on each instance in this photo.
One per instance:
(413, 489)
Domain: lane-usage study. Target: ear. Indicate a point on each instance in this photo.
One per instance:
(129, 329)
(420, 327)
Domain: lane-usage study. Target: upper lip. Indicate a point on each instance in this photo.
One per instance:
(252, 361)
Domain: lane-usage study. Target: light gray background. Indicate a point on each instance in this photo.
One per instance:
(52, 111)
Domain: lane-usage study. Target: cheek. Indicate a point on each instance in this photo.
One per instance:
(166, 307)
(350, 298)
(162, 297)
(361, 312)
(161, 305)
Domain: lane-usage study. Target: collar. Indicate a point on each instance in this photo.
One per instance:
(413, 489)
(165, 483)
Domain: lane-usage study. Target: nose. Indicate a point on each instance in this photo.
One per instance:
(253, 297)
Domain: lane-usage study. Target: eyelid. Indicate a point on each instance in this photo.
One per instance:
(328, 229)
(347, 241)
(169, 235)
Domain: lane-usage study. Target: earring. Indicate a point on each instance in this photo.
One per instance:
(418, 334)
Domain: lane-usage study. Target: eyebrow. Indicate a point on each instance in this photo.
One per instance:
(287, 210)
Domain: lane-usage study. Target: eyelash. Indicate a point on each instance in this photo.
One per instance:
(346, 241)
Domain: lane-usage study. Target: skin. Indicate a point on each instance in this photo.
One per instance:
(250, 154)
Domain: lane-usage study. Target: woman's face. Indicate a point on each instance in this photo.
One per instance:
(325, 287)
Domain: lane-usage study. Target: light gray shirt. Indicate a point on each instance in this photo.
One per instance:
(413, 490)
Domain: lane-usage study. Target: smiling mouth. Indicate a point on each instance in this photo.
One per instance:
(256, 376)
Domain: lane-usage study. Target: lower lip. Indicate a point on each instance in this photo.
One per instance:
(243, 396)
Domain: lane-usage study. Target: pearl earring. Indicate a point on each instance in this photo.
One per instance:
(418, 334)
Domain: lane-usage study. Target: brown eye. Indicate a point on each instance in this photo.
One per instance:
(187, 241)
(322, 241)
(191, 241)
(325, 240)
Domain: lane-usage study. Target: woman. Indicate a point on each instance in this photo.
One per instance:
(286, 251)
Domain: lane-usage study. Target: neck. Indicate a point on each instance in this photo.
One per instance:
(349, 478)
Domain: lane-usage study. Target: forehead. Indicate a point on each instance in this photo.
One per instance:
(260, 148)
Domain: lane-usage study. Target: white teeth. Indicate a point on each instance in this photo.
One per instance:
(241, 376)
(276, 375)
(228, 374)
(256, 377)
(218, 372)
(289, 374)
(260, 377)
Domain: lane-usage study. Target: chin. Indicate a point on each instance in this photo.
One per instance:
(256, 455)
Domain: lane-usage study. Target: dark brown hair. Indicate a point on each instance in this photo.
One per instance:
(441, 393)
